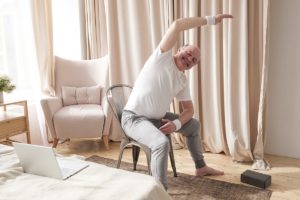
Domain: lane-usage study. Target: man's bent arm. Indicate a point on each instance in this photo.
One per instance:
(172, 34)
(184, 117)
(188, 111)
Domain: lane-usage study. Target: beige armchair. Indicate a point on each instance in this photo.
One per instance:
(79, 108)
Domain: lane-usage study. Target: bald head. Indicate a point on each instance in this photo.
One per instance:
(187, 57)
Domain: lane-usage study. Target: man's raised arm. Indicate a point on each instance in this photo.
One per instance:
(172, 34)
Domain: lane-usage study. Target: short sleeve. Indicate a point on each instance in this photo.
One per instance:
(184, 94)
(157, 54)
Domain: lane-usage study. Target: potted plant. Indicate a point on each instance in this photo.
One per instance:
(5, 86)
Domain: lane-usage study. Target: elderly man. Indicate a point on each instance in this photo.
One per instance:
(145, 117)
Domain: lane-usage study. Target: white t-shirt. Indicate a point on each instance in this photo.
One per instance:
(156, 86)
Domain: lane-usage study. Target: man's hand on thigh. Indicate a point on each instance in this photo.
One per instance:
(168, 126)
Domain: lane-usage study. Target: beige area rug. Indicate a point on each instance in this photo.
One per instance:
(190, 187)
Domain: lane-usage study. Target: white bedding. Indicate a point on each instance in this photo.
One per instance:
(95, 182)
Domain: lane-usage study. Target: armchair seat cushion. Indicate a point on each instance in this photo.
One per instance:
(79, 121)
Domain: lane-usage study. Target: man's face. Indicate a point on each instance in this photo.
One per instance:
(187, 57)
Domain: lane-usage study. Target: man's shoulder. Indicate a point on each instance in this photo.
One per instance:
(157, 61)
(159, 54)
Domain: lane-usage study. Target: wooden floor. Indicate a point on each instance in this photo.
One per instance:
(285, 172)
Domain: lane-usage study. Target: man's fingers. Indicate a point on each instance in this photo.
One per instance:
(166, 132)
(166, 128)
(227, 16)
(220, 17)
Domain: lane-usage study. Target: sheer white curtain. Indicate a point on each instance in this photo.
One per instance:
(18, 60)
(67, 33)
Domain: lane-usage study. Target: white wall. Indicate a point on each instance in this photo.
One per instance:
(283, 104)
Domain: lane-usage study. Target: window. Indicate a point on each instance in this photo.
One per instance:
(17, 45)
(17, 51)
(66, 29)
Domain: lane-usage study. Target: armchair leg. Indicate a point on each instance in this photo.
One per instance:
(105, 141)
(55, 142)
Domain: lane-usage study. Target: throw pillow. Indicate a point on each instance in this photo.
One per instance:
(81, 95)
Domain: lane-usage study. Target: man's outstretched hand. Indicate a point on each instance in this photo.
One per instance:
(220, 17)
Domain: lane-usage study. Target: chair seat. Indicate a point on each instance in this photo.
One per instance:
(72, 121)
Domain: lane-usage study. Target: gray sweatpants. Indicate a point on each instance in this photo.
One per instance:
(146, 131)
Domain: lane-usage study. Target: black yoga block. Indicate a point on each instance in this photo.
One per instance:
(256, 179)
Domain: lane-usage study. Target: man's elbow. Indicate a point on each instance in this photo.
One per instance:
(176, 25)
(192, 112)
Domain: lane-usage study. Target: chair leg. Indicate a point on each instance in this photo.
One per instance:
(171, 153)
(55, 142)
(123, 144)
(105, 141)
(120, 156)
(135, 155)
(148, 155)
(65, 140)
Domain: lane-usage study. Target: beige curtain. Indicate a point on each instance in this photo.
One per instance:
(233, 77)
(134, 29)
(228, 86)
(42, 23)
(95, 29)
(182, 9)
(260, 162)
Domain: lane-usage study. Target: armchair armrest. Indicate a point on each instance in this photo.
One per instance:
(50, 106)
(108, 115)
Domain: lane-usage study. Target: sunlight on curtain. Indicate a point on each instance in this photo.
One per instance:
(18, 58)
(66, 29)
(17, 54)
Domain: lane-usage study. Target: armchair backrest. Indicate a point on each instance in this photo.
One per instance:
(117, 96)
(81, 73)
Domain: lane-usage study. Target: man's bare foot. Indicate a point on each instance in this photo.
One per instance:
(208, 171)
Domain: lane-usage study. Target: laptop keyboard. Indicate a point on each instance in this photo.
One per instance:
(70, 166)
(67, 171)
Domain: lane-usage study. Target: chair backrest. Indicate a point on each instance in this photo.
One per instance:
(117, 96)
(81, 73)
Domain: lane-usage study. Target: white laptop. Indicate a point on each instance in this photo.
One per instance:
(42, 161)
